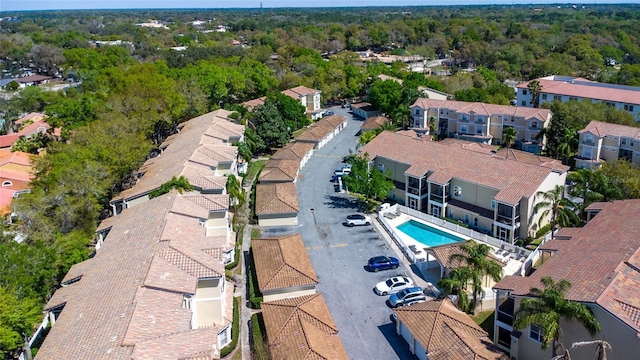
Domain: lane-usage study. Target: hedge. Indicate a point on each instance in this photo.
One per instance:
(255, 297)
(543, 231)
(239, 236)
(235, 329)
(258, 335)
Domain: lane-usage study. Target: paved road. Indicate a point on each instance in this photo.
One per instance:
(339, 253)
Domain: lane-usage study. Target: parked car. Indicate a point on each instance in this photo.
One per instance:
(328, 113)
(358, 219)
(408, 296)
(383, 263)
(393, 285)
(334, 177)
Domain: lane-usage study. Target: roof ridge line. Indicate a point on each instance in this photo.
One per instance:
(190, 258)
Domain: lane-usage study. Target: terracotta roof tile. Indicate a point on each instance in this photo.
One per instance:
(447, 333)
(578, 87)
(513, 179)
(279, 171)
(282, 263)
(600, 260)
(602, 129)
(301, 328)
(279, 198)
(316, 132)
(76, 271)
(465, 107)
(293, 151)
(375, 122)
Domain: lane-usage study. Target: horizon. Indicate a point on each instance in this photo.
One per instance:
(48, 5)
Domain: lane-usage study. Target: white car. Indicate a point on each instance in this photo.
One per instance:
(393, 285)
(358, 219)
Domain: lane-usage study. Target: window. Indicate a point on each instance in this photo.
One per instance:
(381, 167)
(479, 131)
(7, 183)
(524, 92)
(224, 340)
(534, 124)
(493, 203)
(513, 119)
(475, 222)
(524, 103)
(624, 141)
(609, 103)
(544, 96)
(536, 333)
(457, 191)
(557, 97)
(573, 99)
(417, 111)
(628, 108)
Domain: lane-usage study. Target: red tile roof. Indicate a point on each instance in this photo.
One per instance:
(375, 122)
(302, 328)
(447, 333)
(513, 179)
(600, 260)
(279, 198)
(282, 262)
(578, 87)
(602, 129)
(465, 107)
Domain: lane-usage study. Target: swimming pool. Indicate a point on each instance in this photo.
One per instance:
(427, 235)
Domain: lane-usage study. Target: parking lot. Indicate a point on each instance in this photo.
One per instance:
(339, 254)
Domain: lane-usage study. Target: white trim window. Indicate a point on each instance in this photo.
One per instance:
(536, 333)
(223, 337)
(457, 191)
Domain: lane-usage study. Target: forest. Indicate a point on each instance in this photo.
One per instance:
(128, 87)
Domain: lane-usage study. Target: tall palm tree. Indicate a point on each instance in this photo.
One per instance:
(561, 209)
(535, 88)
(547, 307)
(509, 136)
(568, 145)
(475, 258)
(235, 191)
(402, 115)
(433, 127)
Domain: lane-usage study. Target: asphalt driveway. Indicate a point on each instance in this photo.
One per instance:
(339, 253)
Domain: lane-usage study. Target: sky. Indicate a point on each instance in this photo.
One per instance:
(13, 5)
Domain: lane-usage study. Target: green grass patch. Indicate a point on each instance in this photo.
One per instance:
(235, 329)
(299, 131)
(485, 320)
(254, 169)
(255, 297)
(259, 338)
(236, 259)
(255, 233)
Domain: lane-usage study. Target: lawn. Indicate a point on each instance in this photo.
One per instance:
(254, 169)
(485, 320)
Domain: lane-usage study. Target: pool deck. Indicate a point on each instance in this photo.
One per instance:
(511, 267)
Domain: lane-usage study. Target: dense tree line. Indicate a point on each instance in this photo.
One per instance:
(133, 95)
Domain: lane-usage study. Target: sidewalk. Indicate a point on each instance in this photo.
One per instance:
(242, 290)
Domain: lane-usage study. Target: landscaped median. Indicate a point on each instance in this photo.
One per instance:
(255, 297)
(259, 350)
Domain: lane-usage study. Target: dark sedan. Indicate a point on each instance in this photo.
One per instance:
(383, 263)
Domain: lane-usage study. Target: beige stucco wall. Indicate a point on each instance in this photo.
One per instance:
(208, 302)
(278, 220)
(136, 201)
(527, 218)
(473, 193)
(288, 293)
(225, 169)
(624, 341)
(397, 169)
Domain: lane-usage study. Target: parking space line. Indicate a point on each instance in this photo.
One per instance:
(324, 247)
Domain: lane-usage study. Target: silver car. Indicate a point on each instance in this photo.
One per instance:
(358, 219)
(393, 285)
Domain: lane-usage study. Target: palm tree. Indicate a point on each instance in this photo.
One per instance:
(535, 88)
(235, 191)
(402, 115)
(568, 145)
(433, 127)
(547, 307)
(553, 202)
(475, 258)
(508, 136)
(456, 284)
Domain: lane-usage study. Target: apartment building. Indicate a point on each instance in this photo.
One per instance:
(601, 141)
(601, 261)
(480, 122)
(202, 151)
(309, 98)
(566, 88)
(493, 193)
(155, 290)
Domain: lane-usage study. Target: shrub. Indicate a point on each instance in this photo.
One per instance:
(543, 231)
(235, 329)
(258, 335)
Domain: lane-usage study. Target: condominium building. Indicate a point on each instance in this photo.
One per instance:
(601, 261)
(467, 182)
(480, 122)
(601, 141)
(309, 98)
(566, 88)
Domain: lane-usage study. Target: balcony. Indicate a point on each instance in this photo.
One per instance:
(413, 190)
(507, 220)
(505, 312)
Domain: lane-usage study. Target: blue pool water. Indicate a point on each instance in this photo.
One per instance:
(427, 235)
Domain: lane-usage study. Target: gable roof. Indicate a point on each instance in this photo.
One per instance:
(32, 78)
(141, 277)
(315, 132)
(186, 148)
(513, 179)
(579, 87)
(293, 151)
(279, 171)
(301, 328)
(375, 122)
(446, 332)
(600, 260)
(280, 198)
(282, 262)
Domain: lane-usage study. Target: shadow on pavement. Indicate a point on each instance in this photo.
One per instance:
(342, 202)
(396, 341)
